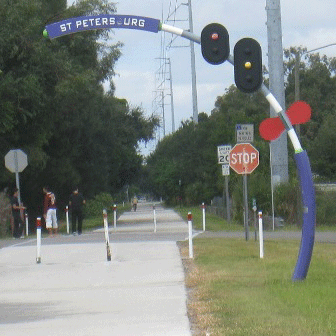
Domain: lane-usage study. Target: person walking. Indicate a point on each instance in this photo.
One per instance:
(135, 203)
(50, 211)
(76, 203)
(16, 211)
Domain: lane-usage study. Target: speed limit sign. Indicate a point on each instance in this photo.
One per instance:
(223, 153)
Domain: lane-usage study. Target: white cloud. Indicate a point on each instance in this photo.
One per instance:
(136, 86)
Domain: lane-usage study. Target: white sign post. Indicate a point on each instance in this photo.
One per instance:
(16, 161)
(261, 235)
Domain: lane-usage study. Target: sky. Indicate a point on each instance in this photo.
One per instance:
(304, 23)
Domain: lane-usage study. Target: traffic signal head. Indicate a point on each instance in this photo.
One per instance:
(248, 65)
(215, 43)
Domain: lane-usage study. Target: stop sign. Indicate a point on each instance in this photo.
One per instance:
(16, 160)
(244, 158)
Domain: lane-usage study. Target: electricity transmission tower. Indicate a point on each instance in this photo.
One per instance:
(176, 14)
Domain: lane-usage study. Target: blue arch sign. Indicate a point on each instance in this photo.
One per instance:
(103, 21)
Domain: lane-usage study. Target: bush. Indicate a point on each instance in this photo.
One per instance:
(5, 215)
(286, 197)
(96, 206)
(326, 210)
(286, 201)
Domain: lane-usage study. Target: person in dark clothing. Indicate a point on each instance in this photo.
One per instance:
(16, 211)
(76, 207)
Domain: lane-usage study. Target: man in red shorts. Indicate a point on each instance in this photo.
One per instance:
(49, 211)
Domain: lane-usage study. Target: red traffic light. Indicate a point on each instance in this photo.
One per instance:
(215, 43)
(214, 36)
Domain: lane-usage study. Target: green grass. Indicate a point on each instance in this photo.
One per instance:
(94, 222)
(212, 222)
(240, 294)
(215, 223)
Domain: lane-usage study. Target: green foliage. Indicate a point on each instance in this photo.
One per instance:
(190, 154)
(53, 104)
(95, 206)
(326, 210)
(5, 215)
(287, 196)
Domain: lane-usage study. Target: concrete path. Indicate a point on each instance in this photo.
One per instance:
(76, 291)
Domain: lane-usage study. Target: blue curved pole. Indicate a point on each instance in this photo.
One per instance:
(307, 192)
(309, 216)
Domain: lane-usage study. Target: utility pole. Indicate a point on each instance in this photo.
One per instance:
(279, 153)
(193, 67)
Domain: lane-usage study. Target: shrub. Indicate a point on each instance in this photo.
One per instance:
(326, 210)
(96, 206)
(5, 215)
(286, 198)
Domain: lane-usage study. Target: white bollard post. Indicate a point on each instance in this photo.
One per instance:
(203, 210)
(27, 224)
(38, 240)
(154, 215)
(191, 250)
(107, 237)
(115, 217)
(261, 235)
(67, 219)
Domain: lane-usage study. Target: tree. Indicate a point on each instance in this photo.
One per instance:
(53, 104)
(317, 88)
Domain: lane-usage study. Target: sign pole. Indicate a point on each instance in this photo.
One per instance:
(16, 164)
(254, 208)
(227, 199)
(245, 208)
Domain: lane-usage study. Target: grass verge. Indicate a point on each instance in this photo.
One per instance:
(234, 292)
(94, 222)
(213, 222)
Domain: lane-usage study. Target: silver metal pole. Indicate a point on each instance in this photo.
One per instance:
(228, 214)
(17, 180)
(193, 67)
(276, 76)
